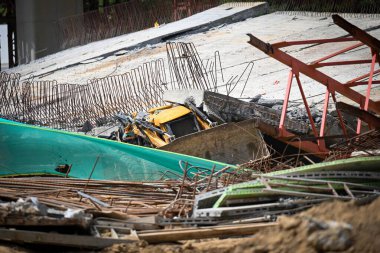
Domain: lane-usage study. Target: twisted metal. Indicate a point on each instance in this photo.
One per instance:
(73, 107)
(139, 89)
(188, 71)
(10, 95)
(69, 106)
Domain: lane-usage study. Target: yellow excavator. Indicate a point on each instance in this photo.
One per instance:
(182, 126)
(161, 125)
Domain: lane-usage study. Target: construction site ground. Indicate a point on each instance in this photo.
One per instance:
(303, 232)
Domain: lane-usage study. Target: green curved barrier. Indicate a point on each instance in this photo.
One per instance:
(31, 150)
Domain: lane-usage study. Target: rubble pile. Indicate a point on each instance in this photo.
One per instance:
(30, 212)
(193, 165)
(103, 213)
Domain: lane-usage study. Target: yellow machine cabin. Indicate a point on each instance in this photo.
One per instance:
(161, 125)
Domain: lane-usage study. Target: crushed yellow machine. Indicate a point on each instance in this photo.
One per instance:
(161, 125)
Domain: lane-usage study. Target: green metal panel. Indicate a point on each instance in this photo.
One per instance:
(254, 188)
(27, 150)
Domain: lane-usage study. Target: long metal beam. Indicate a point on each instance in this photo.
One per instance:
(357, 33)
(340, 63)
(301, 67)
(362, 114)
(362, 77)
(317, 41)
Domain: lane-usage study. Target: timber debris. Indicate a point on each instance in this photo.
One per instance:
(171, 210)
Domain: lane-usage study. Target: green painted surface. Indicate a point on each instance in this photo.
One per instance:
(27, 150)
(254, 188)
(350, 164)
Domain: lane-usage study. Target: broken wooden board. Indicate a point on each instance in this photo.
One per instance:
(202, 233)
(64, 240)
(154, 236)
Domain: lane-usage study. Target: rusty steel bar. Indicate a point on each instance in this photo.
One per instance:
(306, 106)
(361, 77)
(357, 33)
(339, 63)
(362, 83)
(362, 114)
(337, 53)
(317, 41)
(187, 70)
(68, 106)
(368, 93)
(286, 101)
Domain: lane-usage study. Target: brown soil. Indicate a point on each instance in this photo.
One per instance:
(6, 248)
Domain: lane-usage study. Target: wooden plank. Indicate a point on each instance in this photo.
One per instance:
(90, 242)
(77, 241)
(371, 119)
(201, 233)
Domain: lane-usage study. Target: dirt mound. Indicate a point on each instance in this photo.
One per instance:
(365, 220)
(8, 248)
(330, 227)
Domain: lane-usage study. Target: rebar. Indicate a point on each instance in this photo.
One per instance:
(171, 197)
(77, 107)
(188, 71)
(69, 106)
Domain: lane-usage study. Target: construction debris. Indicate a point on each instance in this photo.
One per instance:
(53, 152)
(105, 209)
(130, 211)
(353, 222)
(30, 212)
(290, 191)
(79, 191)
(77, 107)
(162, 125)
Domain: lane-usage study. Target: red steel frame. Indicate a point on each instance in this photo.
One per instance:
(332, 86)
